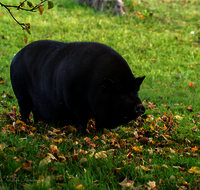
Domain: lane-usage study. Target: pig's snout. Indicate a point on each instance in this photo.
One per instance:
(139, 109)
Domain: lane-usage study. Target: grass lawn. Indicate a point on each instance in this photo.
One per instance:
(160, 150)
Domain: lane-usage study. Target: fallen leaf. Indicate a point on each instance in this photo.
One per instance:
(45, 161)
(123, 145)
(58, 141)
(4, 37)
(144, 140)
(62, 158)
(16, 159)
(178, 117)
(52, 156)
(172, 177)
(96, 138)
(101, 154)
(172, 151)
(151, 13)
(54, 149)
(167, 136)
(80, 187)
(126, 183)
(195, 128)
(151, 184)
(45, 181)
(117, 169)
(2, 146)
(191, 84)
(189, 108)
(136, 134)
(91, 155)
(152, 128)
(145, 168)
(138, 148)
(82, 160)
(26, 167)
(164, 128)
(165, 166)
(150, 151)
(194, 148)
(188, 141)
(194, 169)
(18, 169)
(89, 142)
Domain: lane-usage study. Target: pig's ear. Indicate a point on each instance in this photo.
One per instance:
(139, 81)
(108, 84)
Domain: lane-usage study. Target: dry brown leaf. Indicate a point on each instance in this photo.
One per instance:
(2, 146)
(45, 161)
(18, 169)
(123, 145)
(101, 154)
(172, 151)
(138, 148)
(82, 160)
(117, 169)
(54, 149)
(136, 134)
(144, 140)
(145, 168)
(26, 167)
(52, 156)
(151, 184)
(165, 166)
(172, 177)
(62, 158)
(189, 108)
(80, 187)
(126, 183)
(194, 169)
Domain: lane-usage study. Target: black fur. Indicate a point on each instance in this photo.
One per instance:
(69, 83)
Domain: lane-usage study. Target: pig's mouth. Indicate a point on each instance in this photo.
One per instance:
(133, 113)
(114, 122)
(117, 122)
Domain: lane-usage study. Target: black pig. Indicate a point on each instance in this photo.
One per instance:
(69, 83)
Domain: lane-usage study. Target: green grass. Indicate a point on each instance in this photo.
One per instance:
(160, 46)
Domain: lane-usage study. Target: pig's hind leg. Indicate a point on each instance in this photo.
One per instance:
(25, 107)
(81, 121)
(99, 126)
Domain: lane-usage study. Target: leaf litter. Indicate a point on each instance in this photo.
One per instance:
(152, 134)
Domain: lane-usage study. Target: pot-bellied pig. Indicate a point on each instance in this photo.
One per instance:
(69, 83)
